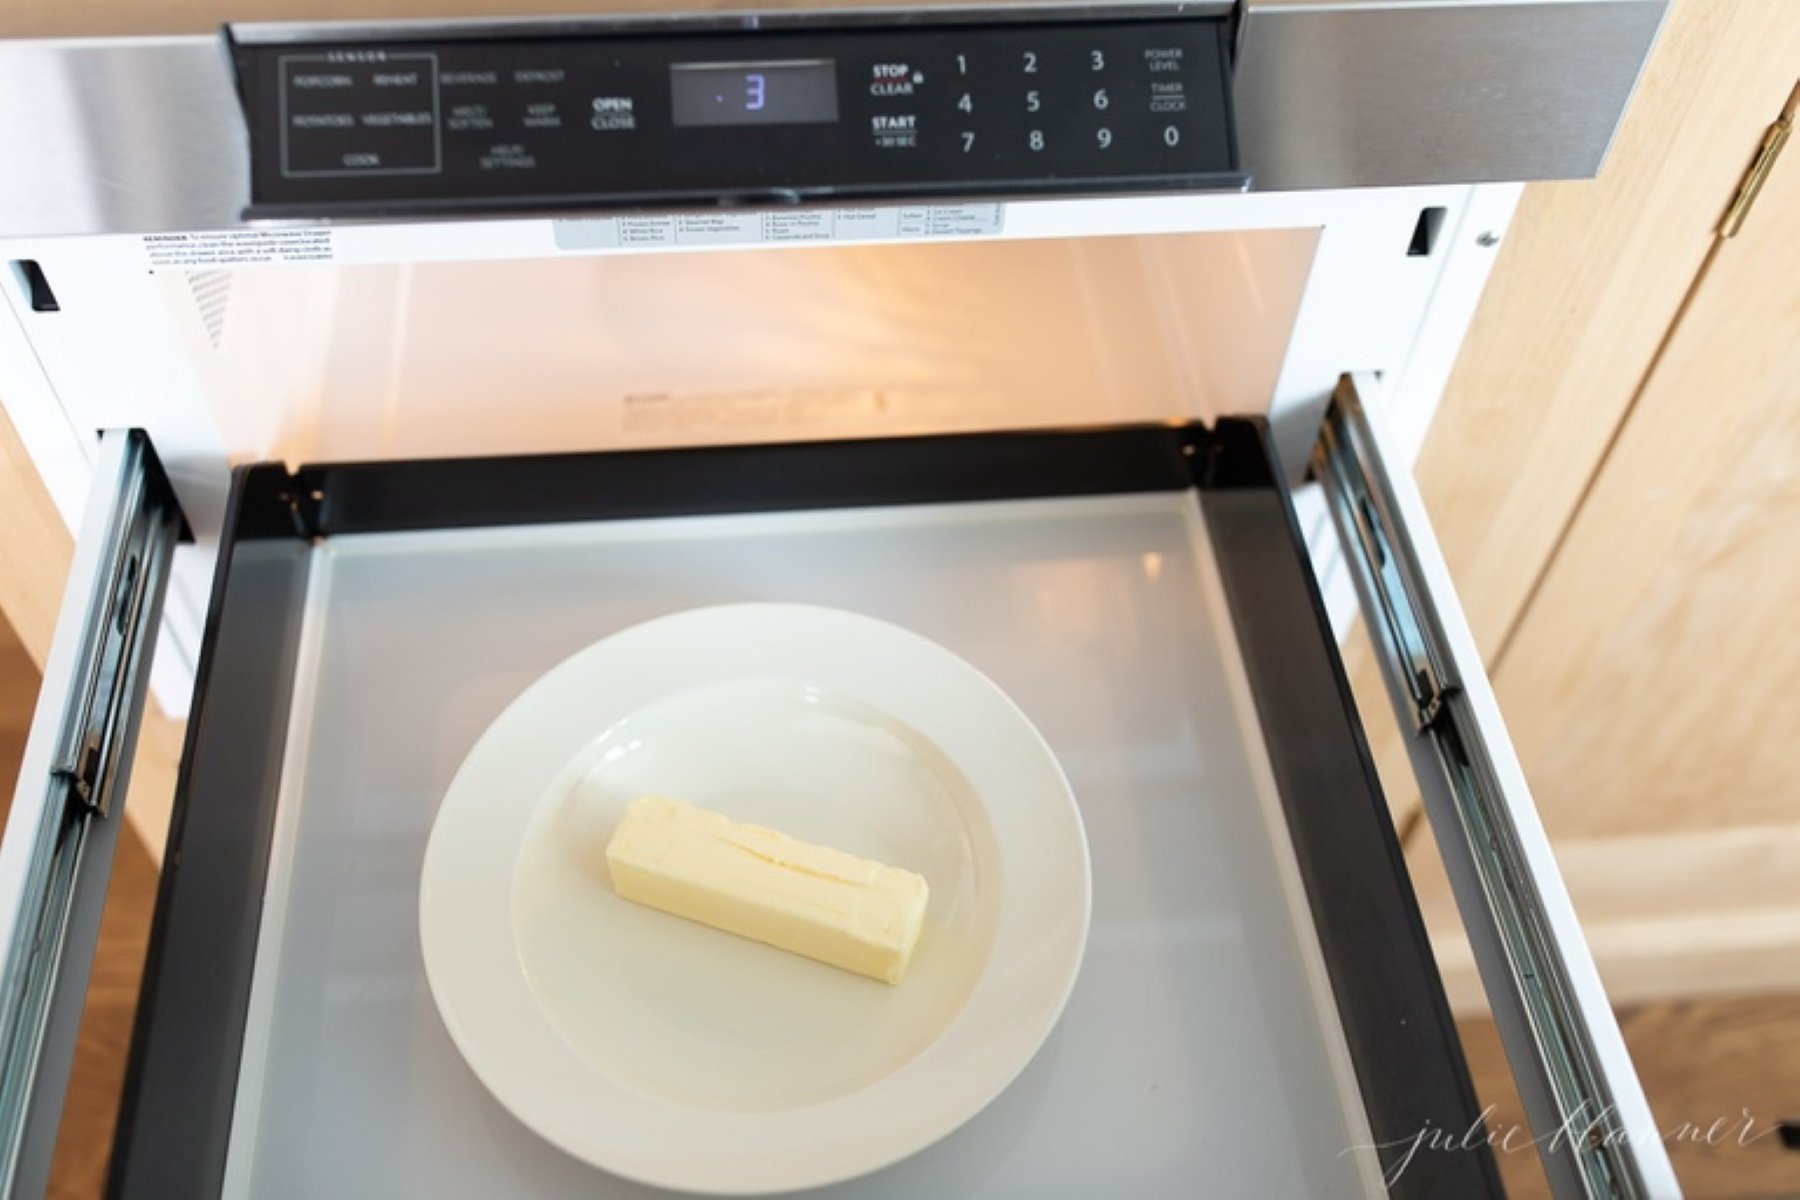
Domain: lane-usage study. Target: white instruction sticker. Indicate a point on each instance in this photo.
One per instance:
(239, 248)
(879, 223)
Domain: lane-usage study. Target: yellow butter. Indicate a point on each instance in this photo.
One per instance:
(763, 885)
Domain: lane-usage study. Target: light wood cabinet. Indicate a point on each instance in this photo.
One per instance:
(1615, 477)
(35, 548)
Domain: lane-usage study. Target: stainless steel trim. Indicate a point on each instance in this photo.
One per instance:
(1579, 1100)
(775, 14)
(1376, 93)
(119, 137)
(57, 870)
(145, 136)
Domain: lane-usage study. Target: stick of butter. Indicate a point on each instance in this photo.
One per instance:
(763, 885)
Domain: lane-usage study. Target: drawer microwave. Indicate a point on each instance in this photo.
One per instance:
(381, 364)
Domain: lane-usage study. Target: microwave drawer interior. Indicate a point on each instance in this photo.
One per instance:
(1257, 1008)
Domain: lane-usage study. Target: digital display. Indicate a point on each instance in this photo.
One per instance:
(799, 92)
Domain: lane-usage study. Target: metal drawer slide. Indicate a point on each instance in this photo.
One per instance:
(1586, 1107)
(57, 855)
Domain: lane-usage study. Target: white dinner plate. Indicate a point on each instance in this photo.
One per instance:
(677, 1055)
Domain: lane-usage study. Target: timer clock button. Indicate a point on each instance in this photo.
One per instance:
(1167, 96)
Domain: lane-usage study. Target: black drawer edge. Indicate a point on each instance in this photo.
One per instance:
(181, 1077)
(794, 476)
(1390, 997)
(180, 1087)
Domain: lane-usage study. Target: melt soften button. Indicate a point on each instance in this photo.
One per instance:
(467, 117)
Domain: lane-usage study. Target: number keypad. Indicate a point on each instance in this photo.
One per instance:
(1117, 98)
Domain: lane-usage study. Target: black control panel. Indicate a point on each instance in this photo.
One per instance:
(746, 116)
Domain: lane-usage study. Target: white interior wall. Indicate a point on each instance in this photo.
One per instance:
(459, 358)
(253, 339)
(1226, 306)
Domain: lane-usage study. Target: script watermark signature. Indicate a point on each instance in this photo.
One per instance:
(1588, 1125)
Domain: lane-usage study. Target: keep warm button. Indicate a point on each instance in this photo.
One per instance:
(542, 114)
(897, 131)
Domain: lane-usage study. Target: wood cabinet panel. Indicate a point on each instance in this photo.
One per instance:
(35, 549)
(1588, 282)
(1652, 683)
(1615, 477)
(1720, 1074)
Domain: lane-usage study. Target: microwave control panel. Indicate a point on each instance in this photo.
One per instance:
(645, 116)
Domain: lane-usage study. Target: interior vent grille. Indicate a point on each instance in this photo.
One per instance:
(212, 293)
